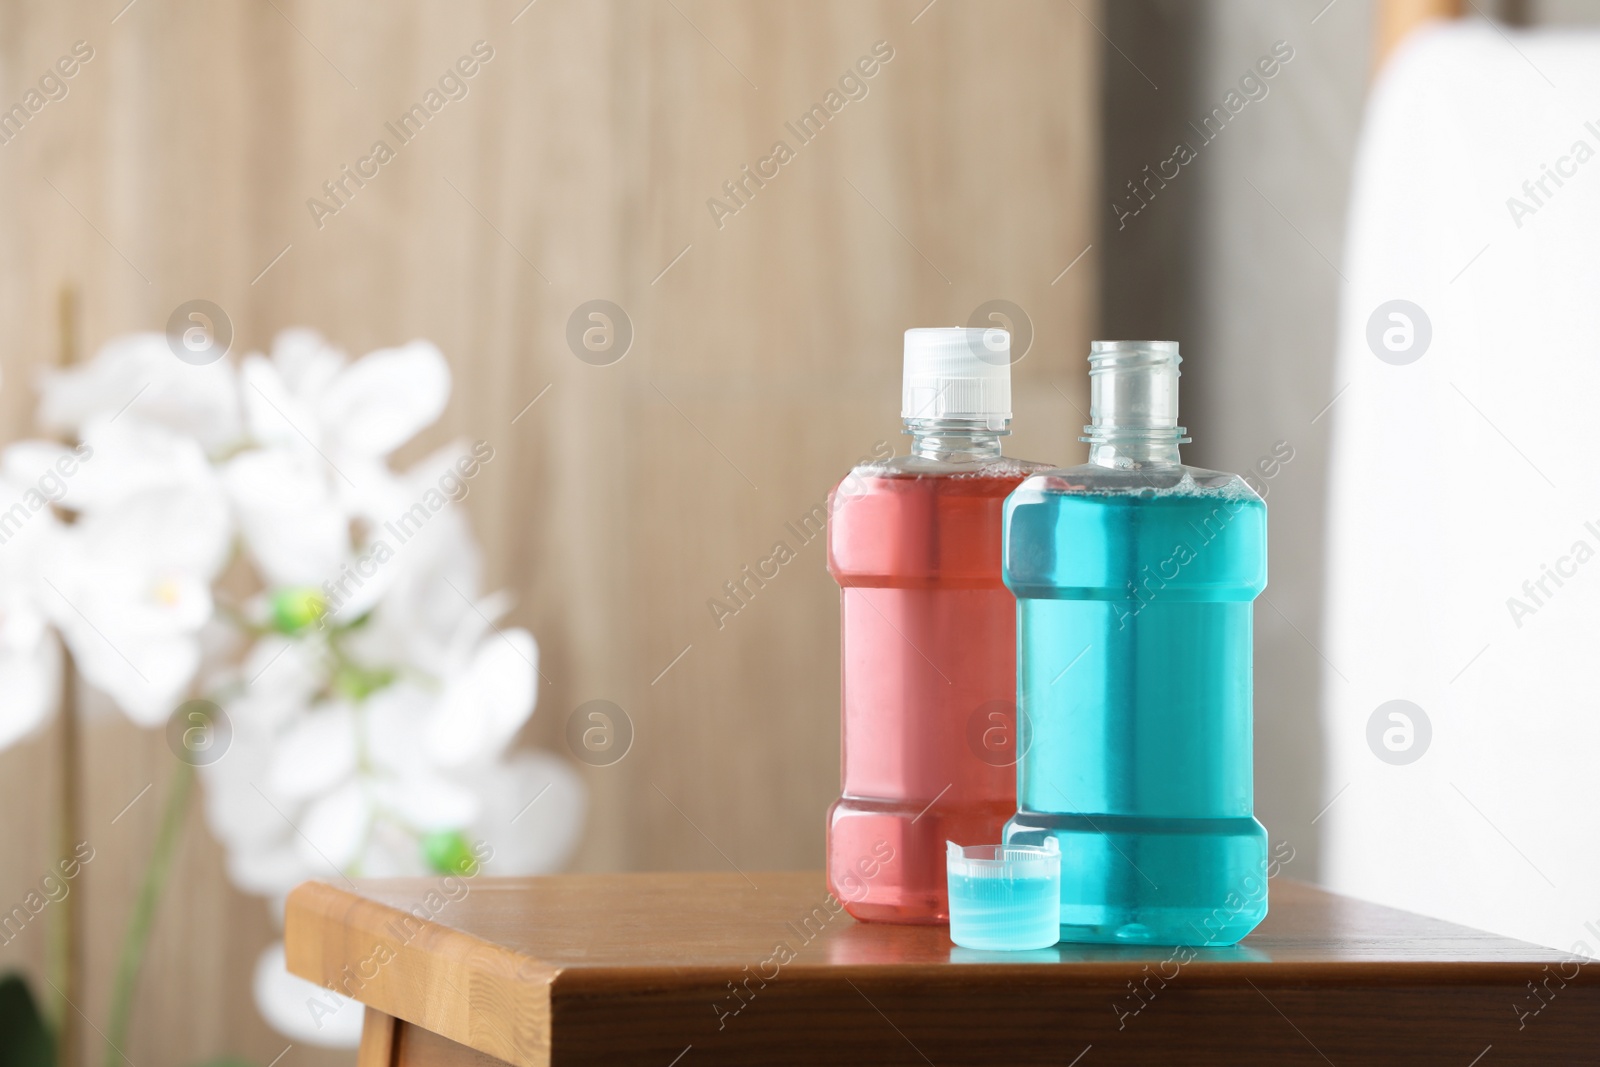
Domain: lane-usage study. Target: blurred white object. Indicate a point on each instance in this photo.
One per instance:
(1464, 515)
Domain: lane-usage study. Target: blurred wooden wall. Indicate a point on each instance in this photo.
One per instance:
(765, 358)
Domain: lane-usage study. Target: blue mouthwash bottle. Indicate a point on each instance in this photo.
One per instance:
(1134, 577)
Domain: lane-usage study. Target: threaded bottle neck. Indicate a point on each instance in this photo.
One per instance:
(956, 440)
(1133, 404)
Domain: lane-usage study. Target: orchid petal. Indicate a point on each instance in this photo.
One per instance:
(289, 516)
(484, 708)
(30, 686)
(146, 679)
(315, 754)
(303, 1010)
(138, 379)
(117, 460)
(382, 399)
(427, 802)
(533, 810)
(275, 415)
(332, 829)
(269, 871)
(306, 361)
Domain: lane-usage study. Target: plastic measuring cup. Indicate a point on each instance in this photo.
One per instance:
(1005, 897)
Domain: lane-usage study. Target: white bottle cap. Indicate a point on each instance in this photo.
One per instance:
(957, 373)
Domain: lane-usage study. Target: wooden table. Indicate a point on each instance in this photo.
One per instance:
(683, 970)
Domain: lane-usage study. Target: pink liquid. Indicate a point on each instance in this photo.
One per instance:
(929, 684)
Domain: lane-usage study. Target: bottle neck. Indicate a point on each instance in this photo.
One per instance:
(955, 440)
(1133, 405)
(1134, 452)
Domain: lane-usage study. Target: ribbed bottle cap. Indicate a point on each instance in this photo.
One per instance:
(957, 373)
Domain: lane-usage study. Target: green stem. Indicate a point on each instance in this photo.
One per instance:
(65, 961)
(142, 919)
(66, 949)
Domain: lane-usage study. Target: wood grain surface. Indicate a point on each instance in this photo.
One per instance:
(765, 358)
(639, 968)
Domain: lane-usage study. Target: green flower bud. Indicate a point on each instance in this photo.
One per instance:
(296, 608)
(447, 852)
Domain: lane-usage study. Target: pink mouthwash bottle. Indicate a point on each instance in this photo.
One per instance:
(928, 632)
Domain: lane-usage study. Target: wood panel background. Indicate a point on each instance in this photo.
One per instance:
(765, 359)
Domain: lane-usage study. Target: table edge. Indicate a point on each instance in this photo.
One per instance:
(482, 995)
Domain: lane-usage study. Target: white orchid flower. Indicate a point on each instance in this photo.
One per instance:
(130, 590)
(348, 769)
(291, 516)
(355, 764)
(367, 408)
(272, 688)
(137, 377)
(325, 427)
(351, 782)
(30, 656)
(416, 534)
(373, 711)
(309, 399)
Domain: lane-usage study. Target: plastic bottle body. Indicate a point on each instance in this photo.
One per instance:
(928, 676)
(1134, 603)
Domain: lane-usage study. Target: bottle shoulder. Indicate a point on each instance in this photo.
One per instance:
(1091, 479)
(1095, 533)
(920, 467)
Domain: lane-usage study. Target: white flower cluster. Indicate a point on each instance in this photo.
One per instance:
(202, 540)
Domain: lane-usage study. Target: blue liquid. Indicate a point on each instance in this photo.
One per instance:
(1007, 914)
(1134, 683)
